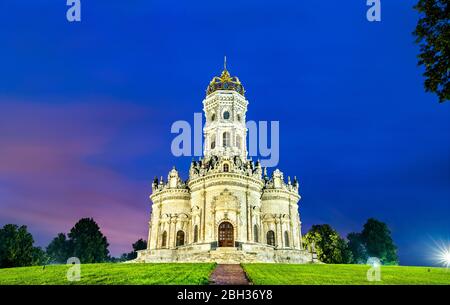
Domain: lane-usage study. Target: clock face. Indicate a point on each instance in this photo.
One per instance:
(226, 115)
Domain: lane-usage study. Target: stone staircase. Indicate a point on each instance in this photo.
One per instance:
(225, 255)
(228, 255)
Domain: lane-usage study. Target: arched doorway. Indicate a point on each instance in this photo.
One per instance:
(226, 235)
(271, 238)
(180, 238)
(255, 234)
(286, 239)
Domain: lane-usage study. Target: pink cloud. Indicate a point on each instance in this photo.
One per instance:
(48, 180)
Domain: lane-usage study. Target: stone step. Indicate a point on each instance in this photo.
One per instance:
(225, 249)
(227, 274)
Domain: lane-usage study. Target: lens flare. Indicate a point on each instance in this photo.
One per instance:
(442, 254)
(445, 257)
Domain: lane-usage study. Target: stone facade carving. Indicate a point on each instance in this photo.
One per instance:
(229, 209)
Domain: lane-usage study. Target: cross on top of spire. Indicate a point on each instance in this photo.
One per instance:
(225, 82)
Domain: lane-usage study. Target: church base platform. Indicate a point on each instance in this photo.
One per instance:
(244, 253)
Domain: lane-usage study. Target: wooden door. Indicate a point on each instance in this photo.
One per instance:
(226, 235)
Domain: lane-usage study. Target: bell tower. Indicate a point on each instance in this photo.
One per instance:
(225, 110)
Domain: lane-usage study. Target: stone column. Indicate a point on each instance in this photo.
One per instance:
(169, 233)
(190, 229)
(247, 215)
(261, 229)
(237, 237)
(216, 233)
(149, 238)
(174, 236)
(293, 240)
(300, 244)
(279, 233)
(252, 237)
(154, 227)
(154, 224)
(188, 233)
(204, 212)
(200, 224)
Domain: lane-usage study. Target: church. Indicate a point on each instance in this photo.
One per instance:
(229, 210)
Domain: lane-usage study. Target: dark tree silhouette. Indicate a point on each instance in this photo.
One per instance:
(374, 241)
(330, 247)
(433, 37)
(378, 242)
(87, 242)
(59, 249)
(356, 246)
(138, 245)
(16, 248)
(40, 257)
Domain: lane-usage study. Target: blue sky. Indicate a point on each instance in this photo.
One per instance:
(86, 110)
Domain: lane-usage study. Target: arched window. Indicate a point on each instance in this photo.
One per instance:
(213, 117)
(226, 115)
(226, 168)
(238, 141)
(255, 233)
(286, 239)
(226, 139)
(271, 238)
(164, 239)
(195, 234)
(239, 117)
(213, 142)
(180, 238)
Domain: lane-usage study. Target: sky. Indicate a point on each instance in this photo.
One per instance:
(86, 110)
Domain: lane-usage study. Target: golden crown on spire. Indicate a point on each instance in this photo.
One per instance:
(225, 82)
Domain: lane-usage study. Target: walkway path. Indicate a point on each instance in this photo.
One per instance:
(228, 274)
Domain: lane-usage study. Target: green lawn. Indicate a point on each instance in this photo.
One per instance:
(288, 274)
(198, 274)
(101, 274)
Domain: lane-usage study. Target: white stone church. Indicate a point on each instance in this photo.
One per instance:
(229, 210)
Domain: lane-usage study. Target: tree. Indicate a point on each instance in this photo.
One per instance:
(87, 242)
(120, 259)
(345, 255)
(330, 247)
(356, 246)
(59, 249)
(40, 257)
(433, 37)
(16, 247)
(378, 242)
(138, 245)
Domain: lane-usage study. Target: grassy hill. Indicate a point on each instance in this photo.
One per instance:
(198, 274)
(285, 274)
(107, 274)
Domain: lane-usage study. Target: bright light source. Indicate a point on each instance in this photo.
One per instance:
(440, 252)
(446, 257)
(443, 255)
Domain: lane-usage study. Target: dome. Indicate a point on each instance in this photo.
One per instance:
(225, 82)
